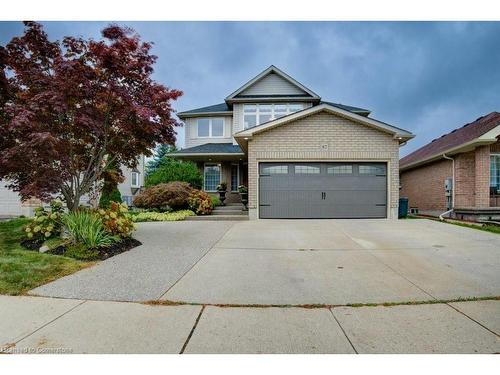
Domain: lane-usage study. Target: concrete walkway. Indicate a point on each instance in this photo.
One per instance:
(49, 325)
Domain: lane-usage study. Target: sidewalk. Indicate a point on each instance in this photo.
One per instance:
(50, 325)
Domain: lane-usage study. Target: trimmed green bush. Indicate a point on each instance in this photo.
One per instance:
(215, 200)
(86, 227)
(172, 195)
(108, 197)
(161, 216)
(171, 170)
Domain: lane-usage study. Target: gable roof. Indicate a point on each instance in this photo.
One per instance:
(272, 70)
(398, 133)
(359, 111)
(221, 108)
(210, 148)
(480, 131)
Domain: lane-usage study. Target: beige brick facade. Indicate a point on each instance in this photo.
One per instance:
(324, 137)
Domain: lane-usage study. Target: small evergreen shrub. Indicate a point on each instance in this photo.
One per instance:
(200, 202)
(110, 196)
(172, 195)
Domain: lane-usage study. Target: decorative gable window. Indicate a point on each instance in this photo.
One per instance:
(256, 114)
(210, 128)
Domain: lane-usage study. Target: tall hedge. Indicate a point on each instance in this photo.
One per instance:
(175, 170)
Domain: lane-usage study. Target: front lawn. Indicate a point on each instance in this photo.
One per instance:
(21, 269)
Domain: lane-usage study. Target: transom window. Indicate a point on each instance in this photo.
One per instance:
(275, 169)
(256, 114)
(371, 170)
(306, 169)
(340, 169)
(211, 176)
(210, 127)
(495, 174)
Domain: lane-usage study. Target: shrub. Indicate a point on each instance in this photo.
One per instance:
(171, 170)
(215, 200)
(173, 195)
(110, 196)
(86, 227)
(200, 202)
(115, 219)
(162, 216)
(46, 223)
(222, 186)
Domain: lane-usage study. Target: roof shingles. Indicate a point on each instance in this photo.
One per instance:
(211, 148)
(456, 138)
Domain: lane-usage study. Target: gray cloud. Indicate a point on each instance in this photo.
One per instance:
(427, 77)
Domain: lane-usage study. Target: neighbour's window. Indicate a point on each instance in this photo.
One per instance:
(340, 169)
(371, 170)
(495, 174)
(210, 127)
(134, 178)
(211, 176)
(256, 114)
(275, 169)
(234, 177)
(306, 169)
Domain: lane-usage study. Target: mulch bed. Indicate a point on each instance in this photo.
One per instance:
(32, 244)
(119, 247)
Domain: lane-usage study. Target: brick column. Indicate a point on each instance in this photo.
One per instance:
(464, 180)
(482, 171)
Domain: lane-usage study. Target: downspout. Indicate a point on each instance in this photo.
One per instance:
(452, 187)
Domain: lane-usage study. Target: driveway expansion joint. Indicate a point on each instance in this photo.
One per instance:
(343, 331)
(192, 330)
(474, 320)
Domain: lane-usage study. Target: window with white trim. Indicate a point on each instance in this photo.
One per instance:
(495, 174)
(235, 174)
(134, 180)
(211, 177)
(210, 128)
(256, 114)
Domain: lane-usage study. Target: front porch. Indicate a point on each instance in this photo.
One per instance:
(218, 162)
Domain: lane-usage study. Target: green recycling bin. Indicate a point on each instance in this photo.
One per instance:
(403, 208)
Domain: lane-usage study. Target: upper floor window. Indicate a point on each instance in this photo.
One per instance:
(210, 127)
(256, 114)
(134, 180)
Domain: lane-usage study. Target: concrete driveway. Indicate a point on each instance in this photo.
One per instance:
(295, 262)
(343, 262)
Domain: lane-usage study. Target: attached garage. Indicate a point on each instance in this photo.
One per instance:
(322, 190)
(323, 162)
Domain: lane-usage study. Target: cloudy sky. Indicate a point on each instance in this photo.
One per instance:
(426, 77)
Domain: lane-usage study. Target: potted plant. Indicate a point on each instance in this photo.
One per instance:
(222, 189)
(243, 190)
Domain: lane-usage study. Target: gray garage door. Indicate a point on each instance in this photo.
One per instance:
(322, 190)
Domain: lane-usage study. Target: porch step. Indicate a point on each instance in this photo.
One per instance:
(218, 218)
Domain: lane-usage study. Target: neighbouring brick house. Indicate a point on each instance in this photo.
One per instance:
(468, 159)
(300, 156)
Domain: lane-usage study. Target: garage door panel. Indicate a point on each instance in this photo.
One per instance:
(340, 190)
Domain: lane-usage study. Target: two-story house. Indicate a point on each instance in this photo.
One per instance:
(300, 157)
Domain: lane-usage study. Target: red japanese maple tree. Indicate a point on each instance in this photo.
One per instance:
(68, 109)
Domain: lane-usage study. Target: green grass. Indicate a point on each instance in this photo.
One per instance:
(21, 269)
(483, 227)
